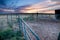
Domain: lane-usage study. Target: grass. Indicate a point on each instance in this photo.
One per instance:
(28, 18)
(9, 34)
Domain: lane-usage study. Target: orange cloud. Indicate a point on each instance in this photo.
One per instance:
(42, 7)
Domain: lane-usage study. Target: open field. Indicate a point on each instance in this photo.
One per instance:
(46, 29)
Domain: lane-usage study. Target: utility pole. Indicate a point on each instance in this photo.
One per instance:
(37, 15)
(59, 36)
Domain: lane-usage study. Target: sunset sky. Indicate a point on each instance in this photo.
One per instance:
(30, 6)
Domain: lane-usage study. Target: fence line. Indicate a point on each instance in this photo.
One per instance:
(23, 26)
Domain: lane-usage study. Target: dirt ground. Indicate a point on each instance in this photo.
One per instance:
(46, 30)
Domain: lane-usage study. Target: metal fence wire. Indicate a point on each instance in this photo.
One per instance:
(29, 34)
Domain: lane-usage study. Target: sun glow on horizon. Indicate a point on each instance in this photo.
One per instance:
(43, 7)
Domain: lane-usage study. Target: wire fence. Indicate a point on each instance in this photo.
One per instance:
(27, 30)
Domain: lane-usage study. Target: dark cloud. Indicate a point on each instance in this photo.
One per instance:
(56, 0)
(2, 2)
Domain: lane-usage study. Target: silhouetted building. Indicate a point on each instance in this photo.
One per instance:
(57, 14)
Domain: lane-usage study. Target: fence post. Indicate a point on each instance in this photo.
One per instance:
(7, 19)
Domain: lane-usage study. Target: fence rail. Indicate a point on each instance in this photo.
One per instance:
(27, 30)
